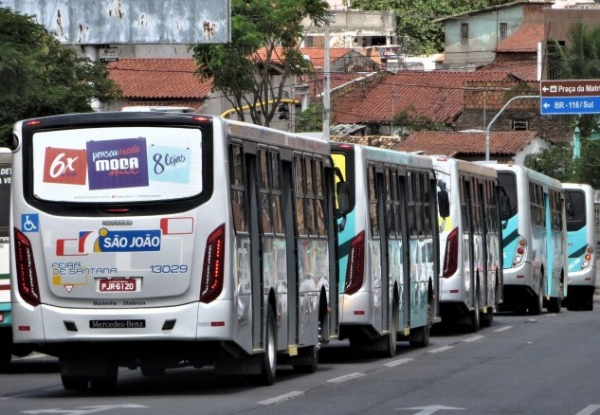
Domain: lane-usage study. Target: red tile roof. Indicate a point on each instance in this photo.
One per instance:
(525, 70)
(152, 79)
(436, 95)
(525, 39)
(453, 144)
(316, 55)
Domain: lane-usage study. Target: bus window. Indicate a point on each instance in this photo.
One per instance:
(373, 213)
(508, 181)
(575, 200)
(238, 190)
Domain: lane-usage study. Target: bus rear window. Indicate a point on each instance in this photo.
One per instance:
(117, 164)
(575, 200)
(508, 181)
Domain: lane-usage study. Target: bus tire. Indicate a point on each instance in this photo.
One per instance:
(74, 383)
(107, 381)
(588, 303)
(5, 358)
(537, 302)
(475, 314)
(268, 366)
(488, 318)
(392, 336)
(554, 305)
(419, 337)
(312, 353)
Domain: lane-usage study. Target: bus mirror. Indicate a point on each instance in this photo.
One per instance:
(343, 198)
(444, 203)
(504, 207)
(15, 143)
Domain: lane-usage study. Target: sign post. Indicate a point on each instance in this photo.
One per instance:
(570, 97)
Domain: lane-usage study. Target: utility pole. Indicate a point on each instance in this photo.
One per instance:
(327, 82)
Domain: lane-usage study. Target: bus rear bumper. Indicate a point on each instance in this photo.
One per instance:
(49, 324)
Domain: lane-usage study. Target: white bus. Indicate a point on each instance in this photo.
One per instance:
(388, 248)
(581, 231)
(471, 244)
(156, 240)
(534, 239)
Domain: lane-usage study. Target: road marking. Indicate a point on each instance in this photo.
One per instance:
(590, 409)
(503, 329)
(346, 377)
(83, 410)
(474, 338)
(440, 349)
(428, 410)
(280, 398)
(398, 362)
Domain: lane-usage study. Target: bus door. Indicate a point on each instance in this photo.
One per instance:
(405, 284)
(395, 248)
(468, 240)
(379, 251)
(255, 256)
(481, 230)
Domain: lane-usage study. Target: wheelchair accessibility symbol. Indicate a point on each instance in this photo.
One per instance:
(30, 222)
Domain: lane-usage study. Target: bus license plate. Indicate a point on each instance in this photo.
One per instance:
(117, 285)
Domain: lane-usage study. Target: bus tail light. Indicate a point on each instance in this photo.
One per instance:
(588, 258)
(520, 252)
(451, 254)
(26, 275)
(212, 272)
(356, 265)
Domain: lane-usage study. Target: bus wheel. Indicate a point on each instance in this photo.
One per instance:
(5, 357)
(554, 305)
(107, 381)
(310, 354)
(488, 318)
(419, 337)
(588, 303)
(269, 357)
(537, 302)
(74, 383)
(475, 315)
(392, 337)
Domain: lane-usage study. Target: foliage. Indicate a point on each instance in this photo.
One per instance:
(587, 165)
(42, 77)
(263, 53)
(311, 119)
(557, 162)
(410, 120)
(415, 18)
(554, 161)
(579, 60)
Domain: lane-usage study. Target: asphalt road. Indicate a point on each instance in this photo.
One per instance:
(546, 364)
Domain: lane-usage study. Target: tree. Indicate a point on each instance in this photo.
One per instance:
(587, 165)
(309, 120)
(263, 54)
(554, 161)
(580, 59)
(416, 18)
(42, 77)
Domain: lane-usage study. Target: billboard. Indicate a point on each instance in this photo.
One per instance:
(114, 22)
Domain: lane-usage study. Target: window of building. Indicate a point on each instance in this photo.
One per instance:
(464, 32)
(503, 31)
(520, 125)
